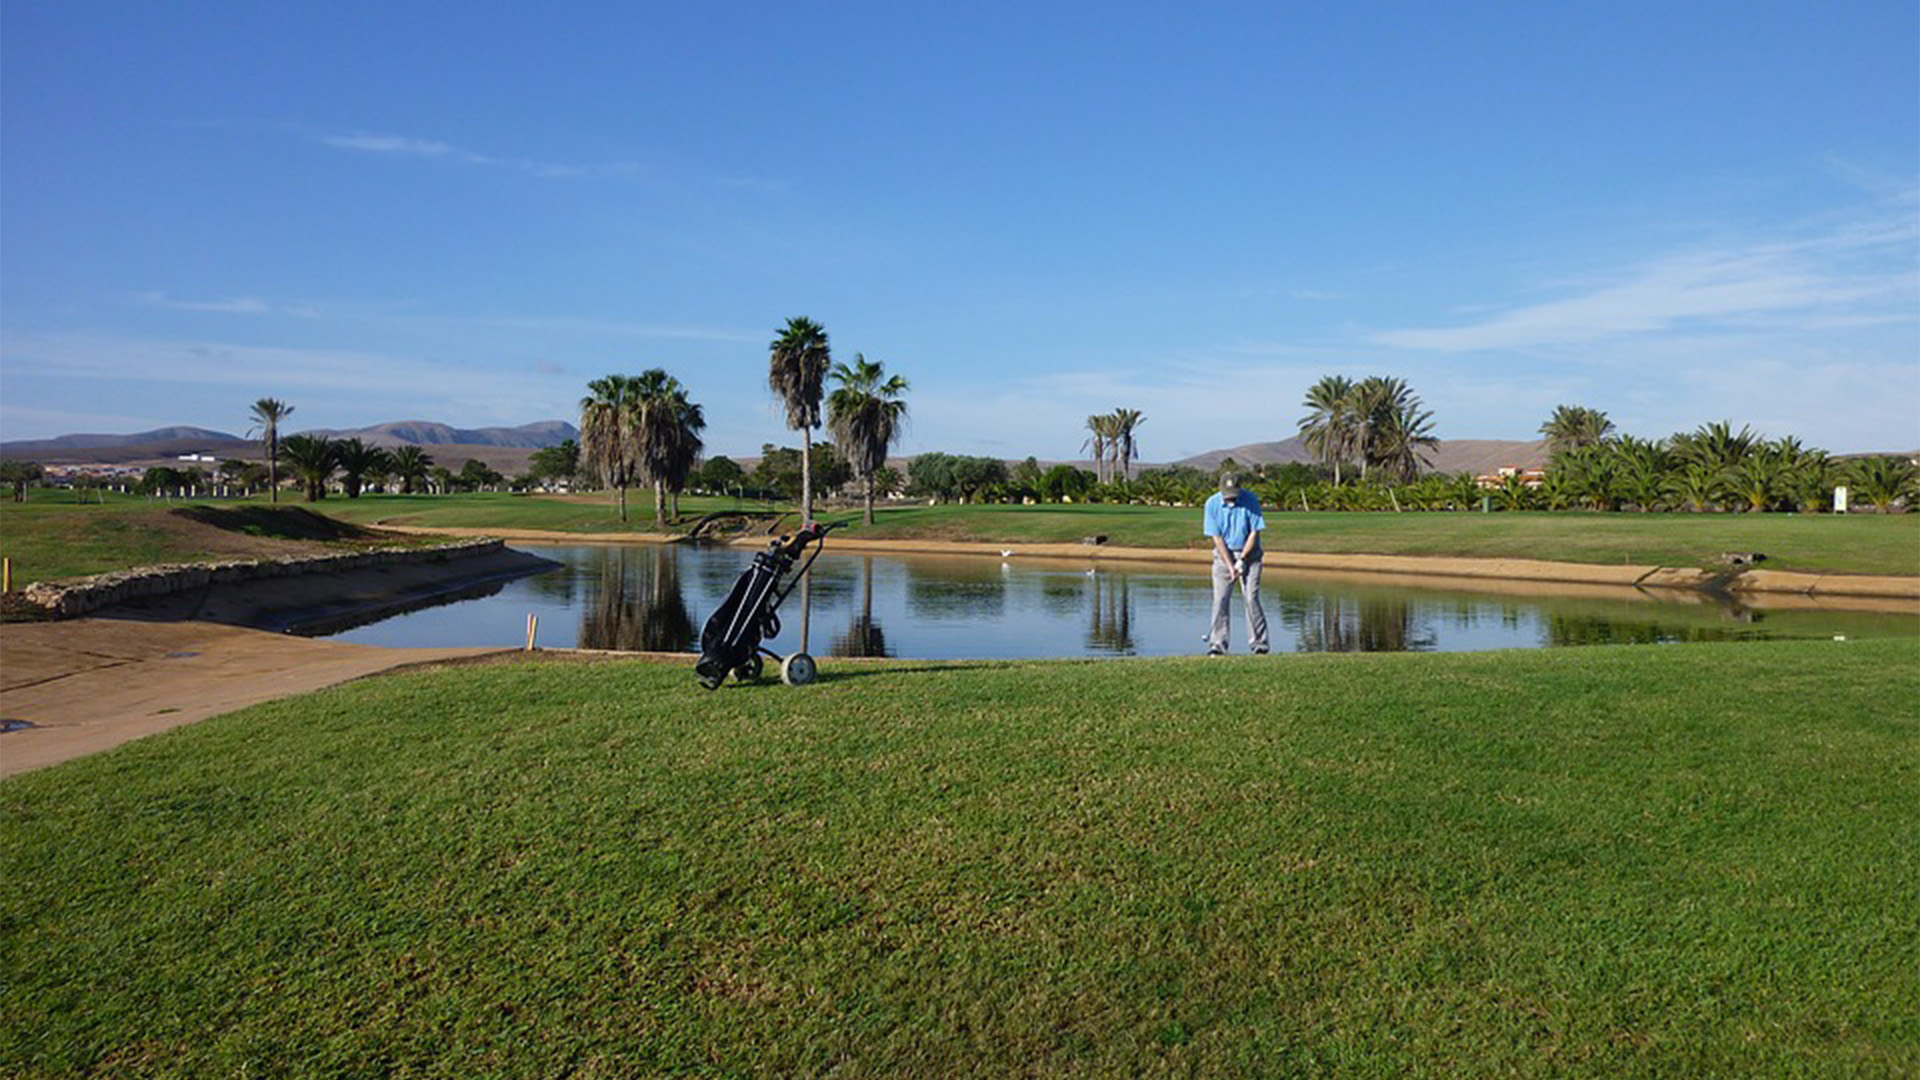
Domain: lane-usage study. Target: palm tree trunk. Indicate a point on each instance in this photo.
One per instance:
(806, 475)
(869, 517)
(623, 502)
(659, 504)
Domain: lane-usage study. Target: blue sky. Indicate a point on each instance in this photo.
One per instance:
(1676, 213)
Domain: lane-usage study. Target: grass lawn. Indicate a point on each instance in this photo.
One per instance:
(1629, 861)
(51, 537)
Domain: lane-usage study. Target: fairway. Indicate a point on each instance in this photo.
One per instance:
(1616, 861)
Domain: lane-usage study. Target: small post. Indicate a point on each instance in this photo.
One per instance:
(1304, 508)
(8, 587)
(533, 629)
(1840, 500)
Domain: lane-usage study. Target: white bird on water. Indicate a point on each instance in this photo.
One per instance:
(1007, 554)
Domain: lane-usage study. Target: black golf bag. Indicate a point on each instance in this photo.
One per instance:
(730, 642)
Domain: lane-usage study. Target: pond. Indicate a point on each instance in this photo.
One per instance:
(657, 597)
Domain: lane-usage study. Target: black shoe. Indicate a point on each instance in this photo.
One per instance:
(1215, 650)
(1260, 650)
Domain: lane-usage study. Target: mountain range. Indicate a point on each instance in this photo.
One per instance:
(1451, 456)
(161, 444)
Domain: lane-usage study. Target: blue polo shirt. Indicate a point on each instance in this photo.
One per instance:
(1233, 522)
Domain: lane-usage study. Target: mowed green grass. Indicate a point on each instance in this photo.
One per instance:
(1692, 860)
(54, 536)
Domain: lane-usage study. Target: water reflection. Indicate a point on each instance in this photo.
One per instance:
(953, 589)
(1363, 624)
(1110, 614)
(864, 635)
(657, 597)
(635, 602)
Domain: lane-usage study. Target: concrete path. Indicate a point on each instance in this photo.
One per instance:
(90, 684)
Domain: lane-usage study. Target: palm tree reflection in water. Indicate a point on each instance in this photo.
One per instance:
(636, 605)
(864, 636)
(1368, 624)
(1110, 615)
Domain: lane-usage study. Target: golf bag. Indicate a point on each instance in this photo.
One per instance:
(730, 642)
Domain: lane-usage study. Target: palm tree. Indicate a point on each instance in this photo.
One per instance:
(1642, 466)
(313, 459)
(267, 414)
(356, 461)
(1101, 428)
(1573, 426)
(1124, 421)
(607, 432)
(797, 370)
(1715, 445)
(866, 415)
(1400, 439)
(1884, 481)
(1328, 427)
(666, 433)
(410, 464)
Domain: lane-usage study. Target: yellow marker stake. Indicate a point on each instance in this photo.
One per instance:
(7, 586)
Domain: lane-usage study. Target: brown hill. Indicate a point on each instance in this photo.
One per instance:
(1451, 456)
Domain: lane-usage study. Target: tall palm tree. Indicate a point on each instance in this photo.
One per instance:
(313, 459)
(410, 464)
(666, 433)
(1328, 428)
(1400, 439)
(1374, 404)
(1102, 442)
(1573, 426)
(1125, 447)
(267, 414)
(866, 415)
(797, 366)
(607, 439)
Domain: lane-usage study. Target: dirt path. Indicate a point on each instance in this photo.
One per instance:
(90, 684)
(1771, 582)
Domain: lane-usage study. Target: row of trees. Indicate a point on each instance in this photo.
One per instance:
(1112, 443)
(865, 412)
(1710, 468)
(1376, 421)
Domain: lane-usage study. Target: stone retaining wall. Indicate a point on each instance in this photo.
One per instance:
(83, 595)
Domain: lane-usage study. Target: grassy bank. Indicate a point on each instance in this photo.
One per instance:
(50, 539)
(1865, 544)
(1685, 860)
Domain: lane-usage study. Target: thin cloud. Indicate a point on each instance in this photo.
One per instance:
(1850, 274)
(240, 305)
(435, 150)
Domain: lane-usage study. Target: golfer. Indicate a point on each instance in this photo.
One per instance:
(1232, 519)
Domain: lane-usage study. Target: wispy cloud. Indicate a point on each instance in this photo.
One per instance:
(1855, 274)
(435, 150)
(241, 305)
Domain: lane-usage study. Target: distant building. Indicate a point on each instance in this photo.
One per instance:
(1529, 477)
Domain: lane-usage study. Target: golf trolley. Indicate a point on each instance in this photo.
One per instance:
(730, 642)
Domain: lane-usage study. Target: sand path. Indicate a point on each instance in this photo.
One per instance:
(90, 684)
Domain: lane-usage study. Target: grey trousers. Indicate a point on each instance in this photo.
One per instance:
(1223, 592)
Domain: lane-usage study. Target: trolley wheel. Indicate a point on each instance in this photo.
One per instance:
(798, 670)
(750, 670)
